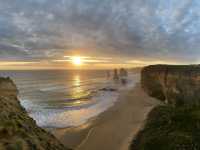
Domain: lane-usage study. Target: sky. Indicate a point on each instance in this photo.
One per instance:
(45, 34)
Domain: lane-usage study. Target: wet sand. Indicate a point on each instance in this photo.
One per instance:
(115, 128)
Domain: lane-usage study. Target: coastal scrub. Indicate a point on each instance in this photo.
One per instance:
(170, 128)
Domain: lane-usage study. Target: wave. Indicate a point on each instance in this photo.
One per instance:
(60, 118)
(65, 103)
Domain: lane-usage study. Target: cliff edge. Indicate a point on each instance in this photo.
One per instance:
(17, 130)
(168, 127)
(176, 85)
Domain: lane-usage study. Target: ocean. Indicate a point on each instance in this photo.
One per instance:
(66, 98)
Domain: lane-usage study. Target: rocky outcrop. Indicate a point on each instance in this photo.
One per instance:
(17, 130)
(177, 85)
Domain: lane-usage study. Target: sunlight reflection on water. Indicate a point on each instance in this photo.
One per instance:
(61, 99)
(77, 83)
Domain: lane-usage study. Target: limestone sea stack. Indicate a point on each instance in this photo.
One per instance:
(174, 84)
(17, 130)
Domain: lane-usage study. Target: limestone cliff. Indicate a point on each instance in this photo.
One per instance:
(17, 130)
(174, 84)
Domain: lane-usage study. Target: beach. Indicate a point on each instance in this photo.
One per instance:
(113, 129)
(67, 98)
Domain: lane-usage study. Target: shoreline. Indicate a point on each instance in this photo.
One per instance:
(114, 128)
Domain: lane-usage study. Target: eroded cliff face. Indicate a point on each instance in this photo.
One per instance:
(177, 85)
(17, 130)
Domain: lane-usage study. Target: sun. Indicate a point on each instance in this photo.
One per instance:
(76, 60)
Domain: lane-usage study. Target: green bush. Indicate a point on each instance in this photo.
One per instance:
(169, 128)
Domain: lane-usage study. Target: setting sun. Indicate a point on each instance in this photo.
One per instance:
(77, 61)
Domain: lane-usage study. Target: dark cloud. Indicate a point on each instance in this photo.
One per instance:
(45, 29)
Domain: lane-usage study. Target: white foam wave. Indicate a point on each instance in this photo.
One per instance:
(74, 117)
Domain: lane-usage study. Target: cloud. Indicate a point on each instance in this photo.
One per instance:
(15, 63)
(50, 29)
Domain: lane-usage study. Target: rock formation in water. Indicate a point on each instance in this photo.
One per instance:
(174, 84)
(17, 130)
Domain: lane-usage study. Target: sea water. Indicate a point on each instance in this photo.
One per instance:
(65, 98)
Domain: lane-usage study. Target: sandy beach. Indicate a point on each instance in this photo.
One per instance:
(113, 129)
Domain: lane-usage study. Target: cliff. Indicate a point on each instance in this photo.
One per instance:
(17, 130)
(168, 127)
(176, 85)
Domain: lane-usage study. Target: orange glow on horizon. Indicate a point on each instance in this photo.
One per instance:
(80, 62)
(76, 60)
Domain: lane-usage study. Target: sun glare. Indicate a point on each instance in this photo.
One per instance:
(77, 61)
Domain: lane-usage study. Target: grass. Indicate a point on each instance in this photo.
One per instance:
(169, 128)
